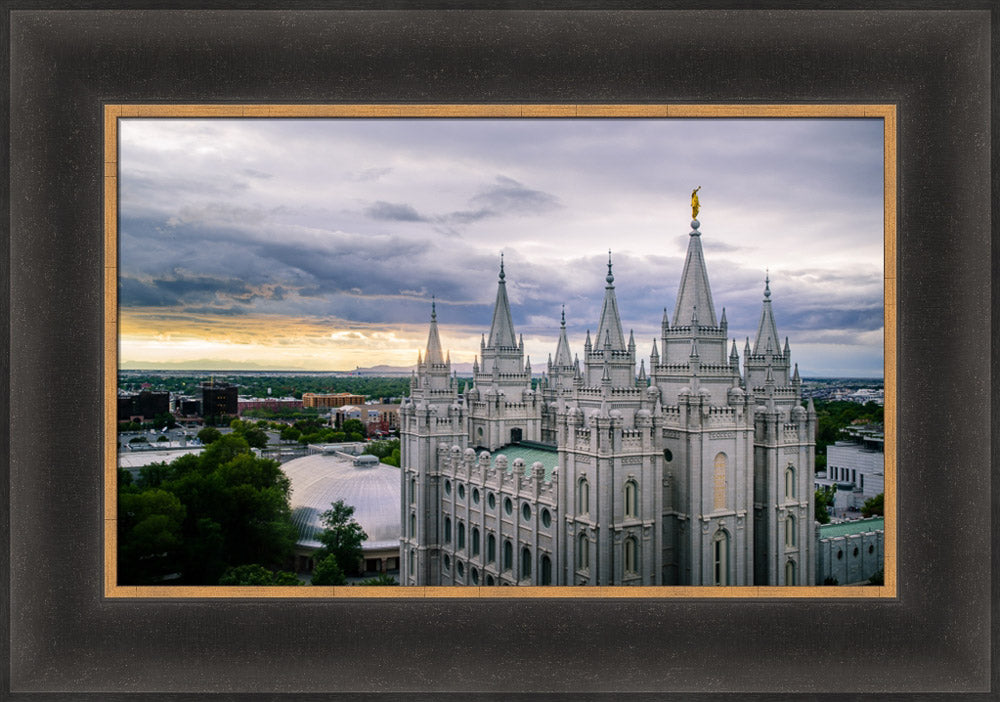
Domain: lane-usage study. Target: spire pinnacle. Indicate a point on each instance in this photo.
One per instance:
(502, 328)
(767, 329)
(610, 278)
(767, 282)
(434, 314)
(609, 328)
(694, 290)
(564, 316)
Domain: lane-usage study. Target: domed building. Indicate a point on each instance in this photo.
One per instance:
(368, 486)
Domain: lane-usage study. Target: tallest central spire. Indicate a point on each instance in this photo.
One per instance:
(502, 329)
(694, 297)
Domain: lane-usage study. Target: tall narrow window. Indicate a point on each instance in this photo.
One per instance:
(475, 541)
(582, 552)
(631, 556)
(790, 537)
(790, 574)
(413, 490)
(508, 555)
(546, 570)
(461, 534)
(631, 499)
(413, 562)
(719, 481)
(583, 496)
(413, 525)
(790, 483)
(447, 530)
(491, 548)
(525, 563)
(720, 572)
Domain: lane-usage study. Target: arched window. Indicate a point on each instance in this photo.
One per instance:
(720, 565)
(631, 499)
(461, 534)
(583, 496)
(790, 574)
(475, 541)
(525, 563)
(491, 548)
(546, 570)
(413, 490)
(719, 481)
(582, 552)
(413, 562)
(447, 530)
(790, 482)
(413, 525)
(790, 536)
(631, 556)
(508, 555)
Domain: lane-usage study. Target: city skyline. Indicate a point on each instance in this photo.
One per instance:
(318, 244)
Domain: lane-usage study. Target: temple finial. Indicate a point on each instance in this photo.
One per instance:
(502, 274)
(434, 314)
(767, 283)
(695, 204)
(564, 315)
(610, 277)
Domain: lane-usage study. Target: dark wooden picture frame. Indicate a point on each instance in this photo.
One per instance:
(66, 639)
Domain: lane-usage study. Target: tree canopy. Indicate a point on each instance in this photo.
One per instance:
(254, 574)
(874, 506)
(200, 515)
(824, 501)
(341, 537)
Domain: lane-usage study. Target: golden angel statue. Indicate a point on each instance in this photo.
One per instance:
(695, 205)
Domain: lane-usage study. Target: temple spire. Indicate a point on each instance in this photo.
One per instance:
(610, 326)
(694, 291)
(434, 354)
(767, 330)
(502, 328)
(563, 357)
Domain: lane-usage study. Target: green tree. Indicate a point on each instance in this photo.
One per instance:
(164, 419)
(254, 574)
(341, 536)
(290, 434)
(380, 579)
(149, 536)
(353, 426)
(327, 572)
(824, 501)
(874, 506)
(209, 434)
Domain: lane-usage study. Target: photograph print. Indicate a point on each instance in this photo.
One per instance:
(484, 352)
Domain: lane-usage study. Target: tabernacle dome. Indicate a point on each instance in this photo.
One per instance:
(373, 490)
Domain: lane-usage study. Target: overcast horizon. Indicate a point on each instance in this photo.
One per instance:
(318, 244)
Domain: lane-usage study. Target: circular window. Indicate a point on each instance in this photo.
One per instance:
(491, 500)
(479, 432)
(447, 562)
(871, 548)
(459, 568)
(508, 506)
(526, 512)
(840, 554)
(461, 491)
(855, 551)
(546, 518)
(447, 487)
(475, 495)
(667, 456)
(475, 576)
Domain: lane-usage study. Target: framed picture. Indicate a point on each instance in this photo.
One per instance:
(200, 271)
(71, 634)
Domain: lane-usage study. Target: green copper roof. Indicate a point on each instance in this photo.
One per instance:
(530, 455)
(829, 531)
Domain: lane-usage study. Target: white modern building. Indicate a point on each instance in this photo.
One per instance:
(690, 469)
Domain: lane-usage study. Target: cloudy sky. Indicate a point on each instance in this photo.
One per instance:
(318, 244)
